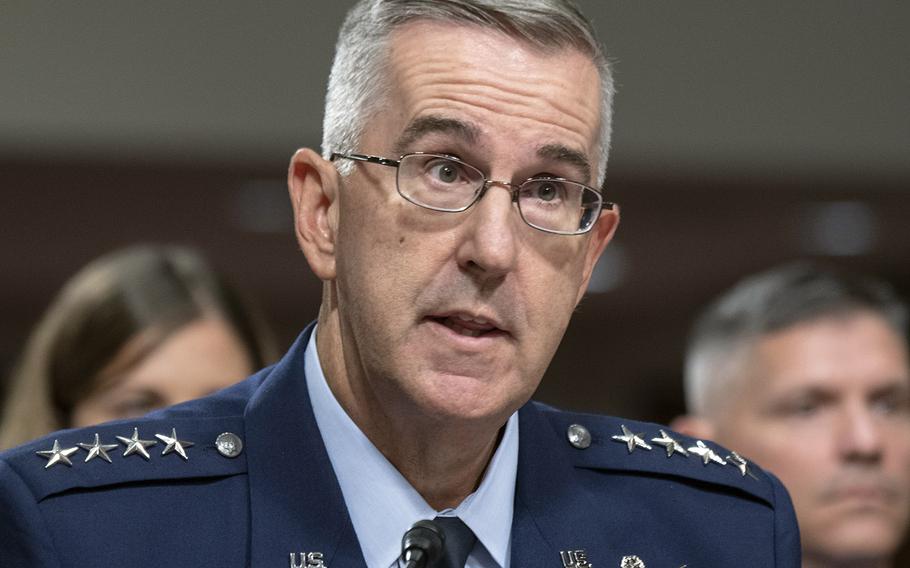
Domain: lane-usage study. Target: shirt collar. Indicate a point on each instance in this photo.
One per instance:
(381, 502)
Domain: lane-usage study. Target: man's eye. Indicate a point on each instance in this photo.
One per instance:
(805, 408)
(446, 172)
(892, 403)
(884, 406)
(799, 408)
(547, 192)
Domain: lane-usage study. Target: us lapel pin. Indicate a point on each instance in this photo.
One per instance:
(307, 560)
(574, 559)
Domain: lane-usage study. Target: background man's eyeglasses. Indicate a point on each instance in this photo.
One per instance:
(445, 183)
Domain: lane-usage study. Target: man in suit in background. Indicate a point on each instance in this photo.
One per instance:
(454, 217)
(804, 370)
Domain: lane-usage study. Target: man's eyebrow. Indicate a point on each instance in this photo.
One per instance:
(898, 387)
(560, 153)
(469, 133)
(434, 124)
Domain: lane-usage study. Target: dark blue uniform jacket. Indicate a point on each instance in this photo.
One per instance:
(602, 505)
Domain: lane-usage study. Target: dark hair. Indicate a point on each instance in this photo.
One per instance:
(147, 289)
(775, 300)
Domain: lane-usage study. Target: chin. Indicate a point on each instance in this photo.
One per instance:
(456, 397)
(860, 539)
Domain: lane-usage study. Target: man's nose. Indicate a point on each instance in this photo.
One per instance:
(489, 238)
(860, 434)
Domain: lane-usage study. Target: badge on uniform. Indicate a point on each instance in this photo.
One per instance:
(574, 559)
(57, 455)
(307, 560)
(706, 454)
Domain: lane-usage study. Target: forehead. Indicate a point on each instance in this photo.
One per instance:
(203, 349)
(847, 353)
(495, 82)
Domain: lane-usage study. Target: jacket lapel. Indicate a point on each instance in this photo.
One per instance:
(285, 453)
(296, 504)
(549, 515)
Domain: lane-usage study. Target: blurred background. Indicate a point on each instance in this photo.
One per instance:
(746, 134)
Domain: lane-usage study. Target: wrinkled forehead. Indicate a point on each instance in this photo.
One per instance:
(494, 81)
(477, 51)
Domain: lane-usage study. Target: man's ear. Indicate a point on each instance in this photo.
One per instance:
(694, 426)
(313, 188)
(601, 235)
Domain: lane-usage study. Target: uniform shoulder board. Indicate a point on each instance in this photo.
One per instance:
(608, 443)
(168, 446)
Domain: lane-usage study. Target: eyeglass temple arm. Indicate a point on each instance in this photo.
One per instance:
(366, 158)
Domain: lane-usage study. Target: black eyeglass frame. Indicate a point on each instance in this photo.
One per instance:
(514, 188)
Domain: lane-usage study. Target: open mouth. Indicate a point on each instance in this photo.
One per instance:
(468, 326)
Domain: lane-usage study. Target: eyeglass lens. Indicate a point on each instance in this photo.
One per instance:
(441, 183)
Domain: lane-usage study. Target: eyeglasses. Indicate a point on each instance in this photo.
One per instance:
(445, 183)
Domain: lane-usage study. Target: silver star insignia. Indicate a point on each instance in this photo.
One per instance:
(57, 455)
(740, 463)
(97, 450)
(670, 444)
(706, 453)
(631, 440)
(173, 444)
(136, 446)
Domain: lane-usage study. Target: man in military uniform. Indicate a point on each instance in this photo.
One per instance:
(454, 218)
(804, 369)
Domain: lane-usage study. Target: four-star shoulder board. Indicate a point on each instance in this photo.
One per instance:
(228, 445)
(580, 438)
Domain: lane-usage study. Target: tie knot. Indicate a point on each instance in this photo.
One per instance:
(458, 544)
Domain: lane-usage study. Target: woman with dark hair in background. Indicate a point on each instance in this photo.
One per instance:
(134, 330)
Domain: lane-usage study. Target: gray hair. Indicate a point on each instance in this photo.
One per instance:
(356, 83)
(772, 301)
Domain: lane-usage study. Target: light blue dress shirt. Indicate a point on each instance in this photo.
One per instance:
(381, 502)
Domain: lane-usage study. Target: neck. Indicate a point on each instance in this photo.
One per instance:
(443, 459)
(445, 476)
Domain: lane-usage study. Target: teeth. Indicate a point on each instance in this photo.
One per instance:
(479, 321)
(454, 325)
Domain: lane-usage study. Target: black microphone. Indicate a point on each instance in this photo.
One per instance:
(421, 545)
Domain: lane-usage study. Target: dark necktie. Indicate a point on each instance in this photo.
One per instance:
(458, 543)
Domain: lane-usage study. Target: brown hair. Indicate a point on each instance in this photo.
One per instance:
(147, 289)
